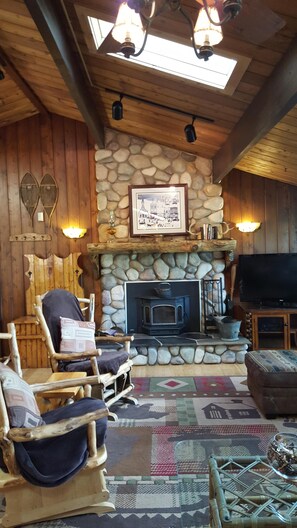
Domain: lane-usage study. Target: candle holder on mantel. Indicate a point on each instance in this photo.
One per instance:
(112, 228)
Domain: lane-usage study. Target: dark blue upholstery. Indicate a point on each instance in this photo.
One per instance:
(52, 461)
(61, 303)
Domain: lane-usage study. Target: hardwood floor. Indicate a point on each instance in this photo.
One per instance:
(42, 374)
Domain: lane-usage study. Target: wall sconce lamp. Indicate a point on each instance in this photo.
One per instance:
(74, 232)
(248, 227)
(117, 110)
(190, 131)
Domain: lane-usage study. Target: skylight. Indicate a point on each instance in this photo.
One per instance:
(173, 58)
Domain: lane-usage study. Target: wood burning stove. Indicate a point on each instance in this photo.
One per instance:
(162, 308)
(163, 316)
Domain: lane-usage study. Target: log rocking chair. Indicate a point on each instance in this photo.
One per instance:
(72, 346)
(52, 464)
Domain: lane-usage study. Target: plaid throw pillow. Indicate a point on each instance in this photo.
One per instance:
(77, 336)
(20, 401)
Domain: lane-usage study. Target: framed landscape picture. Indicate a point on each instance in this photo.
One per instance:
(158, 210)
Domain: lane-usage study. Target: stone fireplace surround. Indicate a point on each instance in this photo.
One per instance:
(125, 161)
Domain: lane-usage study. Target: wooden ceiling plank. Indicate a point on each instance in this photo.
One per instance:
(273, 102)
(21, 83)
(52, 23)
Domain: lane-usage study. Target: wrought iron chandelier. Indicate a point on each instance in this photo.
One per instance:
(132, 25)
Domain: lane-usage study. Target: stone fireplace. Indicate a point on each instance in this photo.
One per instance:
(123, 261)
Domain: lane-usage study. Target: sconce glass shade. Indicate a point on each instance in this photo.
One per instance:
(205, 33)
(248, 227)
(128, 26)
(74, 232)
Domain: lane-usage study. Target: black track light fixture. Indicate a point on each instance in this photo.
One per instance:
(117, 109)
(190, 131)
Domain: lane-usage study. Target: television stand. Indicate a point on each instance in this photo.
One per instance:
(269, 327)
(277, 303)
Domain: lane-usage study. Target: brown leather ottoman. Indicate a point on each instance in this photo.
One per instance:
(272, 380)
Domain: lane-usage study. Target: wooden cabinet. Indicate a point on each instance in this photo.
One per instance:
(270, 328)
(31, 343)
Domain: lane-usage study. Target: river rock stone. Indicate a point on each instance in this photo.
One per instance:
(164, 356)
(151, 149)
(177, 360)
(152, 356)
(121, 155)
(140, 360)
(199, 355)
(117, 293)
(228, 357)
(214, 204)
(108, 282)
(211, 358)
(187, 353)
(161, 269)
(139, 161)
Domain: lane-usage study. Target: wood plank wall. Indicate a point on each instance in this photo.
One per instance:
(63, 148)
(274, 204)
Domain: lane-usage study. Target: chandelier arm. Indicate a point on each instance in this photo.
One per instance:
(190, 22)
(144, 39)
(148, 21)
(221, 22)
(154, 12)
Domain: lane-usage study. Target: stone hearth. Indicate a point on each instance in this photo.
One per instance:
(126, 161)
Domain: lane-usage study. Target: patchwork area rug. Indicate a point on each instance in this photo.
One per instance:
(141, 468)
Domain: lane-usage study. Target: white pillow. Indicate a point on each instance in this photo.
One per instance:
(77, 336)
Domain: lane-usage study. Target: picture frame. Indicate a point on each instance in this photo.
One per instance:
(158, 210)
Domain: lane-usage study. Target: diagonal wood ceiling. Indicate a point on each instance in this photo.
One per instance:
(50, 67)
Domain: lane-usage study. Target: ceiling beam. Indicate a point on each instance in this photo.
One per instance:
(275, 99)
(21, 83)
(50, 19)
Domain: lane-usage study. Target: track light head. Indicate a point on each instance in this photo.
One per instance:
(190, 132)
(117, 109)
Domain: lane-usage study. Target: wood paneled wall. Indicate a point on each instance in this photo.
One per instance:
(274, 204)
(63, 148)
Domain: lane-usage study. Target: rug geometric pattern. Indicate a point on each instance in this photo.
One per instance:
(141, 465)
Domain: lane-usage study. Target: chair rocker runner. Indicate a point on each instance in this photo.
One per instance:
(63, 326)
(40, 479)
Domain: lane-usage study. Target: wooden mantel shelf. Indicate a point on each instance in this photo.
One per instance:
(161, 246)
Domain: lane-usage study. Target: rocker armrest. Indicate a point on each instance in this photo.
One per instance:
(117, 339)
(63, 384)
(60, 356)
(24, 434)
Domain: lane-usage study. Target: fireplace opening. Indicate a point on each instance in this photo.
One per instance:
(161, 316)
(159, 308)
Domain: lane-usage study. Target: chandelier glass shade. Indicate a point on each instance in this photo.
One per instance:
(206, 33)
(128, 27)
(131, 27)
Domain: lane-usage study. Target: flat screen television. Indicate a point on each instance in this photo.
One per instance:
(268, 279)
